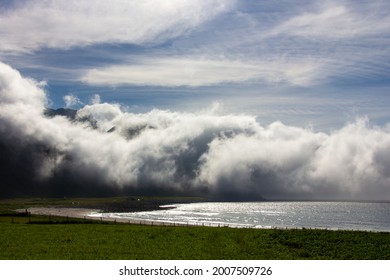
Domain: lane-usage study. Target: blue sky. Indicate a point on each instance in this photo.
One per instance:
(313, 64)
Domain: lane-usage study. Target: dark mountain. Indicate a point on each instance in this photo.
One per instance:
(71, 114)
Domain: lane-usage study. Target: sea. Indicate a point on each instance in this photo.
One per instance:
(366, 216)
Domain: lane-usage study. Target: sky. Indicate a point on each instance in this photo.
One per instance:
(293, 94)
(306, 63)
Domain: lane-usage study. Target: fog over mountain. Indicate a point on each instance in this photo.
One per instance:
(103, 149)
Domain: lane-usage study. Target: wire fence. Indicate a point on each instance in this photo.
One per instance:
(168, 223)
(64, 219)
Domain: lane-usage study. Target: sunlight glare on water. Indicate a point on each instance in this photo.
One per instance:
(329, 215)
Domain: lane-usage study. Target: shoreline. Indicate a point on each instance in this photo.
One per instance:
(88, 214)
(58, 211)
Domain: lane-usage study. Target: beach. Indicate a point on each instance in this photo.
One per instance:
(61, 212)
(90, 214)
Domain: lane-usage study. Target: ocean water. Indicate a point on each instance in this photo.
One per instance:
(329, 215)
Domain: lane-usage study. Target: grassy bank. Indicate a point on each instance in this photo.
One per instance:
(74, 239)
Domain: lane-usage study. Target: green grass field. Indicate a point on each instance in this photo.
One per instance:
(43, 238)
(73, 239)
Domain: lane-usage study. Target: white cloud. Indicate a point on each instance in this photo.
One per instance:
(173, 72)
(71, 100)
(297, 44)
(95, 99)
(63, 24)
(220, 155)
(17, 90)
(200, 71)
(334, 21)
(342, 40)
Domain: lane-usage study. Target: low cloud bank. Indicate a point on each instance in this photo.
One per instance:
(230, 157)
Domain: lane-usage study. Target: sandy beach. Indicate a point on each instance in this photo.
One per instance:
(88, 213)
(62, 212)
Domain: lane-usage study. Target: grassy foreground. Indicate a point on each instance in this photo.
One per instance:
(74, 239)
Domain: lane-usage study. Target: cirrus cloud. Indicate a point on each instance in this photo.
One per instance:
(31, 25)
(203, 71)
(335, 20)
